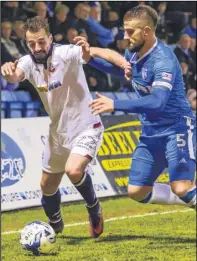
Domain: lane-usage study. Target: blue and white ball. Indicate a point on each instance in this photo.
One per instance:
(38, 237)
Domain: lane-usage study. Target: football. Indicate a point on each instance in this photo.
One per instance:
(38, 237)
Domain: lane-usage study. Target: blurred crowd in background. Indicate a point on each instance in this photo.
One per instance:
(102, 24)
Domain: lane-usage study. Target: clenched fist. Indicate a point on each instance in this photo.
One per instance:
(8, 68)
(82, 41)
(127, 71)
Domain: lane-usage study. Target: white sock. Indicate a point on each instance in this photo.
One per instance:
(190, 198)
(163, 195)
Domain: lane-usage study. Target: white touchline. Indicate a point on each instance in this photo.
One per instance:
(115, 218)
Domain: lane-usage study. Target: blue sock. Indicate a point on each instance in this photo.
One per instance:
(86, 189)
(51, 205)
(146, 200)
(190, 198)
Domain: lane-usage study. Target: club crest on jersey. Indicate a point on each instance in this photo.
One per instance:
(51, 68)
(144, 73)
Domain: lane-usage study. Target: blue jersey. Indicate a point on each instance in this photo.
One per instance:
(158, 82)
(168, 133)
(160, 68)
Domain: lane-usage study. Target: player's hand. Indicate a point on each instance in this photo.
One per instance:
(101, 104)
(127, 71)
(81, 41)
(8, 68)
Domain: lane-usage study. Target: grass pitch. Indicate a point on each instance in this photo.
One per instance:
(133, 232)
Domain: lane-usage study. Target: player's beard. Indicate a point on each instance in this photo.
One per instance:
(136, 48)
(40, 57)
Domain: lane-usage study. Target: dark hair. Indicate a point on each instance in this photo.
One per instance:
(143, 11)
(35, 24)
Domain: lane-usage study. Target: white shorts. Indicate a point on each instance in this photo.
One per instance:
(86, 144)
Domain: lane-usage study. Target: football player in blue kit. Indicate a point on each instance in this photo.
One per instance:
(168, 137)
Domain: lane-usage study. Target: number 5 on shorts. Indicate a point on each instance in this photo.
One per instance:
(180, 141)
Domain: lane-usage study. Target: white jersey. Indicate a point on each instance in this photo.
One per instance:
(63, 90)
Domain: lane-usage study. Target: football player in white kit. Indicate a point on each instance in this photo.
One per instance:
(75, 134)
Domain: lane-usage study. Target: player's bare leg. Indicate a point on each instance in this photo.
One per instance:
(51, 199)
(186, 191)
(50, 182)
(138, 193)
(76, 169)
(145, 170)
(160, 194)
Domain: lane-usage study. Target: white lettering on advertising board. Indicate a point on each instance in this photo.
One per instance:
(21, 166)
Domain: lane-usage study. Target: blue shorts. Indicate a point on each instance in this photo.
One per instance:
(176, 151)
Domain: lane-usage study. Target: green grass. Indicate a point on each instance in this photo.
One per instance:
(169, 237)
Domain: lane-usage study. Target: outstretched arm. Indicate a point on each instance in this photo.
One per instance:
(106, 67)
(11, 72)
(164, 77)
(109, 61)
(109, 55)
(154, 102)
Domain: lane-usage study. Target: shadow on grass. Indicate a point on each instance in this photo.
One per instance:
(112, 238)
(30, 254)
(73, 240)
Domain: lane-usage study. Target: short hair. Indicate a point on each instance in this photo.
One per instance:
(6, 22)
(184, 36)
(60, 7)
(35, 24)
(37, 4)
(144, 11)
(15, 23)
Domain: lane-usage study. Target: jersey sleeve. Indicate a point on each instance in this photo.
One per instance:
(164, 73)
(106, 67)
(127, 55)
(24, 64)
(71, 53)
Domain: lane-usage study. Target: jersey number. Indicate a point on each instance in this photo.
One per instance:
(180, 141)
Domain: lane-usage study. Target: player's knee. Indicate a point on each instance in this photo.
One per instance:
(137, 193)
(47, 186)
(50, 183)
(44, 184)
(74, 173)
(180, 188)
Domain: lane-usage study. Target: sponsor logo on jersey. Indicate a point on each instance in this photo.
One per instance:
(51, 86)
(13, 162)
(54, 85)
(42, 88)
(166, 76)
